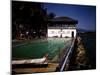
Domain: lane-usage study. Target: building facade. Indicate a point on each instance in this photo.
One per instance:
(62, 27)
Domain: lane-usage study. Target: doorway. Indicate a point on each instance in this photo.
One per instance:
(72, 34)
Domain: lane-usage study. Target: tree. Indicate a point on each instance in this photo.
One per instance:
(51, 15)
(28, 14)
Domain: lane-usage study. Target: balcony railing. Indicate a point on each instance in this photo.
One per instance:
(61, 27)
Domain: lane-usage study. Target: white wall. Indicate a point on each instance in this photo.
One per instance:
(58, 32)
(50, 34)
(68, 32)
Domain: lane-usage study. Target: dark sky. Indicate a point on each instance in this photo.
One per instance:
(86, 15)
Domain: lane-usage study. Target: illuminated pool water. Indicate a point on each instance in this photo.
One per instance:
(40, 47)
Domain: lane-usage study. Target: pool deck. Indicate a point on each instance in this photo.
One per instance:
(51, 68)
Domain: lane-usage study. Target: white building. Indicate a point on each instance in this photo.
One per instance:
(61, 27)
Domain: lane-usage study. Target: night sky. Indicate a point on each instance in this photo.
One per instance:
(86, 15)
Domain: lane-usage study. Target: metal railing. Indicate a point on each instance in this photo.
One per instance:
(66, 59)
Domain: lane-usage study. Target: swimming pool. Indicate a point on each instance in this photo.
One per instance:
(38, 48)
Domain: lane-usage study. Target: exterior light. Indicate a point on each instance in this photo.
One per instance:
(27, 32)
(34, 32)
